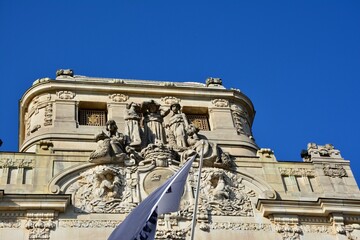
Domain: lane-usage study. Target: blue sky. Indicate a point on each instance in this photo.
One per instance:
(297, 60)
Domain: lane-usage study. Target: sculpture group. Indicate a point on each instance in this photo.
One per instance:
(157, 135)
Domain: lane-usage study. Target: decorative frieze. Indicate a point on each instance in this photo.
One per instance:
(118, 97)
(241, 226)
(297, 172)
(18, 163)
(175, 234)
(9, 223)
(222, 103)
(88, 223)
(317, 229)
(65, 95)
(335, 171)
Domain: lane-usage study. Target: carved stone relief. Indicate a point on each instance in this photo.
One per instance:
(241, 121)
(241, 226)
(65, 94)
(335, 171)
(48, 114)
(118, 97)
(297, 172)
(18, 163)
(289, 231)
(222, 193)
(220, 103)
(103, 189)
(168, 100)
(88, 223)
(40, 229)
(211, 81)
(10, 223)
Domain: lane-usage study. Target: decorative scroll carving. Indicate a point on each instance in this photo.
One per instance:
(48, 114)
(118, 97)
(334, 171)
(168, 100)
(297, 172)
(220, 103)
(241, 226)
(40, 229)
(18, 163)
(10, 223)
(88, 223)
(211, 81)
(241, 121)
(103, 189)
(289, 231)
(65, 94)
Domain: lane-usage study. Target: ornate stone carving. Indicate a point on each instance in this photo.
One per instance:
(241, 121)
(177, 126)
(297, 172)
(48, 114)
(241, 226)
(10, 223)
(289, 231)
(40, 229)
(222, 193)
(103, 189)
(172, 233)
(220, 103)
(41, 80)
(168, 84)
(158, 154)
(118, 81)
(168, 100)
(118, 97)
(18, 163)
(65, 95)
(65, 73)
(88, 223)
(211, 81)
(337, 170)
(317, 229)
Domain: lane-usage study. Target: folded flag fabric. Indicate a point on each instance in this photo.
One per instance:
(140, 224)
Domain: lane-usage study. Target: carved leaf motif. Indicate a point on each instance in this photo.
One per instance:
(118, 97)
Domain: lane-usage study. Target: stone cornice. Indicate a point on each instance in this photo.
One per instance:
(321, 207)
(22, 202)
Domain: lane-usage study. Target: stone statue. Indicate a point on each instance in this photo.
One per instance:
(153, 123)
(111, 145)
(132, 124)
(177, 125)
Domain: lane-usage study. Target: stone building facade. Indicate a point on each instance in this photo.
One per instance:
(91, 149)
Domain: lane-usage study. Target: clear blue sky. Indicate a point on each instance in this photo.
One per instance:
(299, 61)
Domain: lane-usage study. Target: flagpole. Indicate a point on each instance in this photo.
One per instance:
(197, 192)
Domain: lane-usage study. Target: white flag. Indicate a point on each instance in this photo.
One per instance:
(140, 224)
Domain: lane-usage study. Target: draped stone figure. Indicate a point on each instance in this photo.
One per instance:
(177, 124)
(153, 123)
(132, 124)
(111, 145)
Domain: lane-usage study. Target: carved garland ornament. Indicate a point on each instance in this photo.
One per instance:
(18, 163)
(40, 229)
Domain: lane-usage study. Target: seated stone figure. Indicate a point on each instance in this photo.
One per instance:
(213, 155)
(111, 145)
